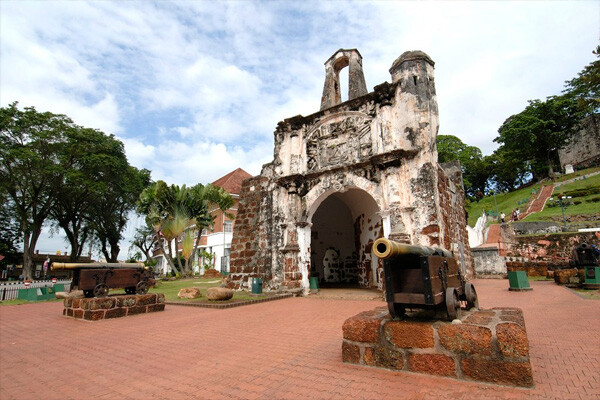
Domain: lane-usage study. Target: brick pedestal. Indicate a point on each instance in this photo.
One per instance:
(95, 309)
(488, 346)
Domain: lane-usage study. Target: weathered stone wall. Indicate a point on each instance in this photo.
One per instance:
(251, 245)
(95, 309)
(488, 345)
(454, 214)
(488, 262)
(373, 156)
(583, 150)
(551, 249)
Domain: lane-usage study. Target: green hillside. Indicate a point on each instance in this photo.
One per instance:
(585, 200)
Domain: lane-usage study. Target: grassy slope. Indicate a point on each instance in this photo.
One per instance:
(509, 201)
(585, 207)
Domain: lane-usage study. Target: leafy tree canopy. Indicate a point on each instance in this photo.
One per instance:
(585, 88)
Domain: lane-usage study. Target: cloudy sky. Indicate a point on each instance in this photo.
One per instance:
(195, 89)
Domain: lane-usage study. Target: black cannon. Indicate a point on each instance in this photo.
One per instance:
(423, 277)
(587, 257)
(97, 278)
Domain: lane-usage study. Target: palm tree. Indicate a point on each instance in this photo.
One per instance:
(179, 213)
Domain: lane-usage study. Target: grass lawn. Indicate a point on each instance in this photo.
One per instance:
(171, 288)
(17, 302)
(591, 294)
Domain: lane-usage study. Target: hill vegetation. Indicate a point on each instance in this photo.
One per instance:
(584, 202)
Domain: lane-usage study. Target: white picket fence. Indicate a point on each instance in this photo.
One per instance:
(10, 290)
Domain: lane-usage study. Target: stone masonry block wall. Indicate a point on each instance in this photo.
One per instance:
(489, 345)
(488, 262)
(551, 249)
(453, 214)
(95, 309)
(251, 243)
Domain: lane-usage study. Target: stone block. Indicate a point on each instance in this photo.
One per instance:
(101, 303)
(363, 327)
(145, 299)
(406, 335)
(563, 276)
(116, 313)
(480, 317)
(496, 371)
(68, 302)
(156, 307)
(189, 293)
(388, 358)
(78, 313)
(68, 312)
(93, 315)
(350, 353)
(136, 310)
(369, 356)
(466, 339)
(219, 294)
(512, 340)
(76, 303)
(126, 301)
(160, 298)
(434, 364)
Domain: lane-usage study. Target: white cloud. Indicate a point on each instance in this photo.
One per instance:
(195, 89)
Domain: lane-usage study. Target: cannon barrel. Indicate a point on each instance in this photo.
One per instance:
(58, 265)
(385, 248)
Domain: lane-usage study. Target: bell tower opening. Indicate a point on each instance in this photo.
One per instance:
(344, 227)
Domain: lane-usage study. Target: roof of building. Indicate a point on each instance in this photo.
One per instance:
(232, 182)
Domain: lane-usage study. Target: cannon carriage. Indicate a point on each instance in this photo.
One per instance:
(96, 279)
(423, 277)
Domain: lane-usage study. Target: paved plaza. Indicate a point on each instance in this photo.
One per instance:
(285, 349)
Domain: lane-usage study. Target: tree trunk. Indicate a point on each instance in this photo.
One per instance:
(27, 257)
(551, 174)
(169, 256)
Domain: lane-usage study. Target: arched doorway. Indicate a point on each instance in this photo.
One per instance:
(344, 226)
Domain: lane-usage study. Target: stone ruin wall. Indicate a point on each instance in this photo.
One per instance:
(376, 155)
(583, 150)
(454, 214)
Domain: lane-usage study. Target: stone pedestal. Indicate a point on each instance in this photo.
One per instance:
(488, 345)
(95, 309)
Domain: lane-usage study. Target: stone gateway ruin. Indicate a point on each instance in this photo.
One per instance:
(346, 175)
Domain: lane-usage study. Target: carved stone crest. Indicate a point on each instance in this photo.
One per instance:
(338, 140)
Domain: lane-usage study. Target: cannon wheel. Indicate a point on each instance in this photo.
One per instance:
(452, 303)
(142, 287)
(471, 296)
(396, 310)
(100, 290)
(130, 290)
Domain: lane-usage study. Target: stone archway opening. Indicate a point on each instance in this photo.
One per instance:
(344, 226)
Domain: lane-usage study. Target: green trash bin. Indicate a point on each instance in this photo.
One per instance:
(314, 284)
(29, 294)
(518, 281)
(257, 285)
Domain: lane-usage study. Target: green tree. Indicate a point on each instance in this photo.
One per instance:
(30, 170)
(10, 233)
(91, 155)
(144, 240)
(115, 199)
(585, 88)
(475, 167)
(533, 137)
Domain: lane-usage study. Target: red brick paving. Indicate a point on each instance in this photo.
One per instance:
(287, 349)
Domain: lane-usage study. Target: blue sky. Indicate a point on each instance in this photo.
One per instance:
(195, 89)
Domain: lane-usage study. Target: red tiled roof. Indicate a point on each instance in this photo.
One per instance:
(232, 182)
